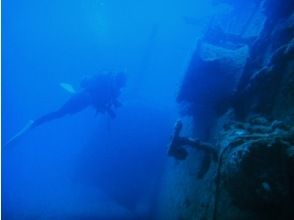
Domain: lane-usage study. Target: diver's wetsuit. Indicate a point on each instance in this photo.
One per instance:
(75, 104)
(101, 92)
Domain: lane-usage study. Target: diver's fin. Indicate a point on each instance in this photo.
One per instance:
(21, 133)
(68, 87)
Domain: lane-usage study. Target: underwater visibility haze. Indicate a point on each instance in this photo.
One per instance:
(164, 110)
(58, 168)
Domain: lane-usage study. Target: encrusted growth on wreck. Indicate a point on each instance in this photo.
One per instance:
(255, 169)
(239, 92)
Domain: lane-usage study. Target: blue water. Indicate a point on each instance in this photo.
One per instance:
(89, 166)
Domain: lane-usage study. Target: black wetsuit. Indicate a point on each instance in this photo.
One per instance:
(100, 92)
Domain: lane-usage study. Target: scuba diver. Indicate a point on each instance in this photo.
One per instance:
(100, 91)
